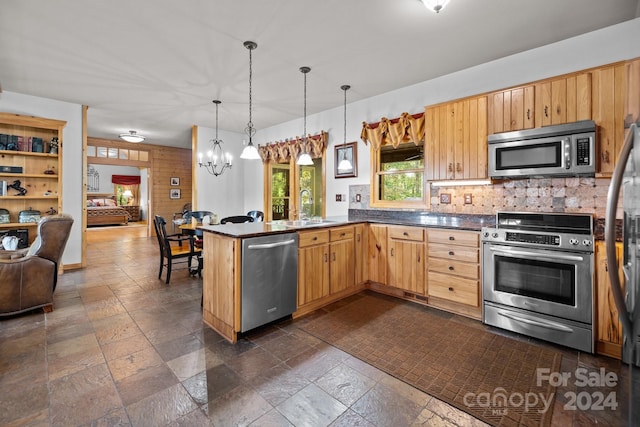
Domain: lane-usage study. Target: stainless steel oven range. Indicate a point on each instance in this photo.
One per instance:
(537, 272)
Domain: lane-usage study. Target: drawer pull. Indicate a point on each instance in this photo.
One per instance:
(315, 238)
(343, 234)
(358, 237)
(405, 234)
(451, 253)
(451, 268)
(450, 289)
(452, 238)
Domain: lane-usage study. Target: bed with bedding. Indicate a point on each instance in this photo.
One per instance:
(104, 211)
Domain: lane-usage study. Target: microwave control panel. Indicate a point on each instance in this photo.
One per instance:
(583, 151)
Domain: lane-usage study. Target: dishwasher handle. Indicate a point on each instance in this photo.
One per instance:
(271, 245)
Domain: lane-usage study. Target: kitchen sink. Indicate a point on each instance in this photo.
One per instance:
(300, 223)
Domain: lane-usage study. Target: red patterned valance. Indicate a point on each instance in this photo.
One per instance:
(283, 151)
(406, 128)
(125, 179)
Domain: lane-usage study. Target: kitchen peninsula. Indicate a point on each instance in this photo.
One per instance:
(341, 256)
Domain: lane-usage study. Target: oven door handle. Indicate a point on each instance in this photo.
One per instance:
(542, 323)
(513, 252)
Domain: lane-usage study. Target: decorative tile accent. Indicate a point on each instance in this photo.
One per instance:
(584, 195)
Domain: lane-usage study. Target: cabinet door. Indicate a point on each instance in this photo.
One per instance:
(609, 94)
(511, 109)
(456, 140)
(563, 100)
(406, 265)
(313, 273)
(361, 254)
(342, 265)
(609, 329)
(632, 104)
(377, 253)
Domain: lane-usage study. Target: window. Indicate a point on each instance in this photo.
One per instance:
(398, 178)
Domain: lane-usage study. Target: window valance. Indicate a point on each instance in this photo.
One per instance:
(125, 179)
(283, 151)
(406, 128)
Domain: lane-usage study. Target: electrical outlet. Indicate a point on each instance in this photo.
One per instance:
(358, 198)
(445, 198)
(468, 198)
(338, 197)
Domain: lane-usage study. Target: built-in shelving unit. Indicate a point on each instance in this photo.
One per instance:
(40, 172)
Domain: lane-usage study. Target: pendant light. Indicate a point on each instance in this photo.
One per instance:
(304, 159)
(345, 164)
(250, 151)
(218, 160)
(435, 5)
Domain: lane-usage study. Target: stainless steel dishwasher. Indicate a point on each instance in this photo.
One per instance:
(269, 279)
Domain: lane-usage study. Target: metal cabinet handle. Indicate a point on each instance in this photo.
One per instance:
(528, 113)
(451, 253)
(343, 234)
(452, 238)
(450, 289)
(334, 256)
(315, 238)
(405, 234)
(458, 167)
(451, 268)
(391, 251)
(326, 257)
(546, 111)
(605, 156)
(450, 168)
(358, 237)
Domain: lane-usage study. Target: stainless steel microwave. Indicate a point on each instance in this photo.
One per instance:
(559, 150)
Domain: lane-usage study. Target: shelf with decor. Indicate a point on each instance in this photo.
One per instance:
(32, 166)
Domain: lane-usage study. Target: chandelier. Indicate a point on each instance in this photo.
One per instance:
(132, 136)
(304, 159)
(345, 164)
(217, 159)
(250, 151)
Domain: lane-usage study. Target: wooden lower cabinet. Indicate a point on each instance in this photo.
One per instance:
(453, 264)
(326, 267)
(377, 258)
(607, 324)
(221, 285)
(406, 258)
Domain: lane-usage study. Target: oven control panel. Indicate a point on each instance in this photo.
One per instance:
(577, 242)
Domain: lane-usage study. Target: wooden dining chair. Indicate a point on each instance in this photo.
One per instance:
(236, 219)
(174, 247)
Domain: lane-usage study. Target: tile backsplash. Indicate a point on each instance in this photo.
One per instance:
(584, 195)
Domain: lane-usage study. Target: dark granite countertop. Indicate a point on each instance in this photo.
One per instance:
(412, 218)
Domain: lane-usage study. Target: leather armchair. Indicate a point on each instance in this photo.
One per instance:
(29, 276)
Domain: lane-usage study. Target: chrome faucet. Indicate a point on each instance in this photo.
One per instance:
(305, 190)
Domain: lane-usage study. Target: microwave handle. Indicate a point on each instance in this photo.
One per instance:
(566, 143)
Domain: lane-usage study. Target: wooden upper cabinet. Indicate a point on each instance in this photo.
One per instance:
(632, 104)
(456, 140)
(609, 95)
(563, 100)
(511, 109)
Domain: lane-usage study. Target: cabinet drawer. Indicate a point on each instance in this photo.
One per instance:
(453, 237)
(341, 233)
(458, 253)
(446, 266)
(310, 238)
(406, 233)
(464, 291)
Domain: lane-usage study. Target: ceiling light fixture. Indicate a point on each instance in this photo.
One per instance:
(435, 5)
(132, 136)
(250, 151)
(218, 159)
(345, 164)
(304, 159)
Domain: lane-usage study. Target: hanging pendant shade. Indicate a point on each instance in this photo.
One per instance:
(250, 152)
(345, 164)
(305, 158)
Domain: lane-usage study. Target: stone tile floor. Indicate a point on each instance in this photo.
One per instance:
(121, 348)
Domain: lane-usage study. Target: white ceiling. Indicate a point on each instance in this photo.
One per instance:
(155, 65)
